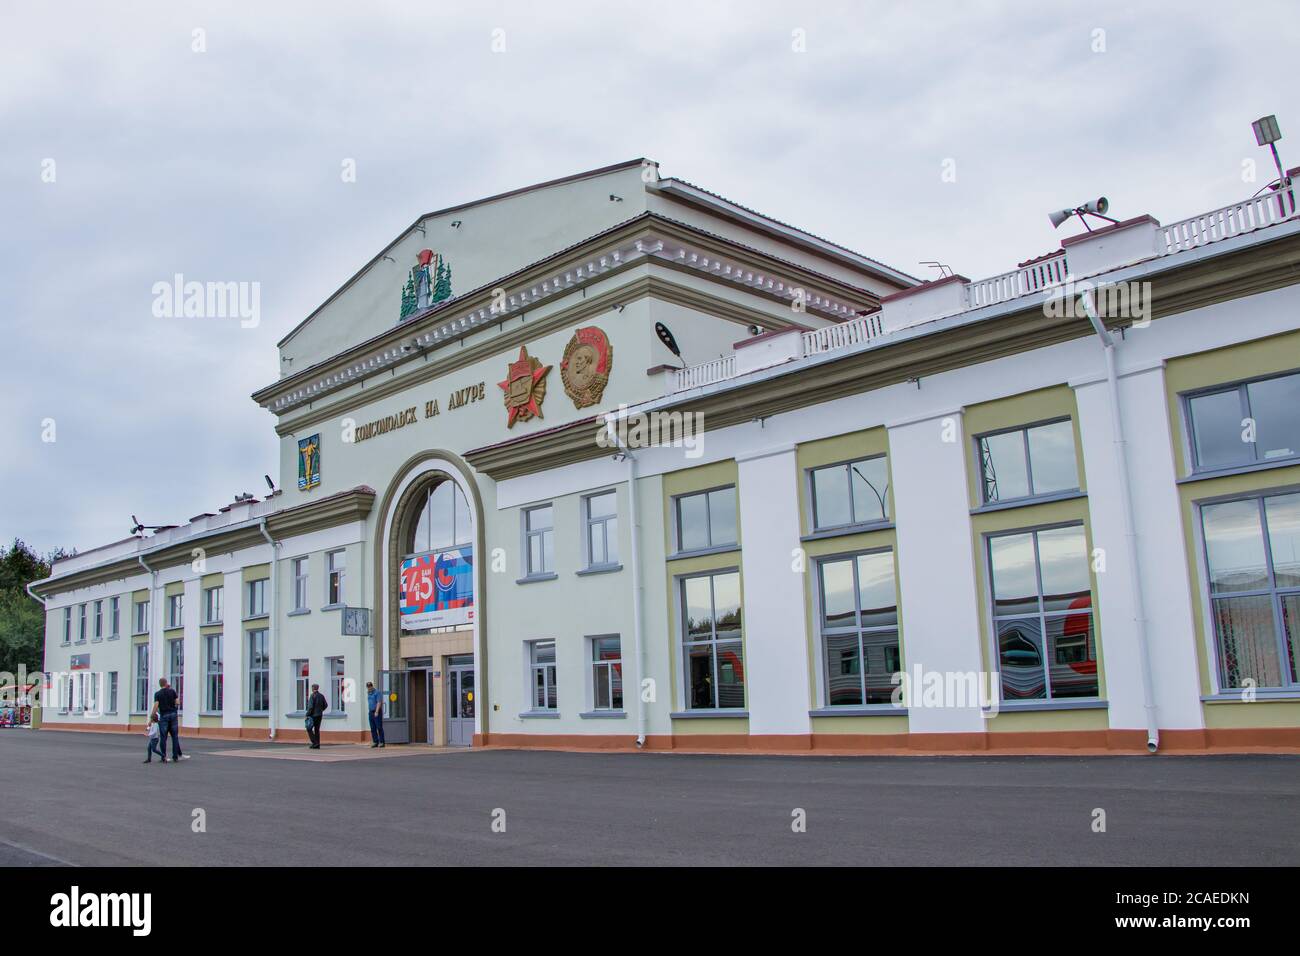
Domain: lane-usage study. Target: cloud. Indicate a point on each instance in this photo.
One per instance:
(224, 165)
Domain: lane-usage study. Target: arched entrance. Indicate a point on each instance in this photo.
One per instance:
(430, 582)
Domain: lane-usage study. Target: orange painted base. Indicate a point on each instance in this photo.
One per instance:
(284, 735)
(1284, 740)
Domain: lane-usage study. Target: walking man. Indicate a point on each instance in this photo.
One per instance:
(316, 707)
(375, 704)
(165, 703)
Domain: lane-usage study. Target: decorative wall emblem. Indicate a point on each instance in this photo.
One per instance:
(588, 359)
(428, 283)
(309, 462)
(524, 387)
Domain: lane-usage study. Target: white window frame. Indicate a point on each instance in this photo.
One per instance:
(209, 672)
(115, 618)
(67, 625)
(550, 675)
(707, 494)
(336, 577)
(685, 641)
(608, 525)
(255, 598)
(595, 666)
(81, 624)
(300, 571)
(140, 617)
(175, 611)
(97, 631)
(259, 675)
(214, 595)
(300, 667)
(1024, 431)
(140, 678)
(543, 535)
(111, 691)
(337, 704)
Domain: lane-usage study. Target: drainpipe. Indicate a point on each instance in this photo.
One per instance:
(1130, 534)
(154, 611)
(39, 600)
(274, 628)
(639, 644)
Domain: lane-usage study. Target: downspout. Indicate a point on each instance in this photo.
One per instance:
(154, 612)
(275, 629)
(1126, 510)
(637, 641)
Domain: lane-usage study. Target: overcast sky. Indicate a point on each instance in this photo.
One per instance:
(225, 165)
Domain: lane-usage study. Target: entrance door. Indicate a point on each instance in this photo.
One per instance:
(460, 705)
(396, 723)
(419, 728)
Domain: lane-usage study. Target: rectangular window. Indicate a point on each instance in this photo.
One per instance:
(300, 584)
(334, 667)
(67, 625)
(255, 598)
(141, 618)
(1245, 423)
(90, 692)
(114, 618)
(707, 519)
(81, 624)
(175, 610)
(607, 673)
(214, 697)
(99, 620)
(112, 692)
(176, 665)
(141, 673)
(856, 492)
(1252, 551)
(301, 683)
(259, 672)
(539, 541)
(336, 563)
(1042, 614)
(859, 628)
(212, 600)
(1028, 462)
(542, 655)
(601, 517)
(711, 641)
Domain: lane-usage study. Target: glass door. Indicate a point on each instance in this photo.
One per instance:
(397, 728)
(460, 709)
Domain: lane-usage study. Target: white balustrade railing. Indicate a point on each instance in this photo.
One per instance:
(853, 332)
(1256, 212)
(705, 374)
(1011, 285)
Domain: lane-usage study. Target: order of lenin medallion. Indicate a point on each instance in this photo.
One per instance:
(524, 387)
(585, 368)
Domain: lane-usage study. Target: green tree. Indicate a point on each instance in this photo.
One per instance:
(22, 620)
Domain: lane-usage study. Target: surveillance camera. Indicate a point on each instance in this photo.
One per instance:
(755, 330)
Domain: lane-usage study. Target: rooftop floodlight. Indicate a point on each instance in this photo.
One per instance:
(1267, 132)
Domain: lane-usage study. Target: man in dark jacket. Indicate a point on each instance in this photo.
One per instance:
(316, 707)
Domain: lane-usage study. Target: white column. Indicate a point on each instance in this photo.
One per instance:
(233, 649)
(940, 612)
(191, 613)
(1161, 552)
(776, 633)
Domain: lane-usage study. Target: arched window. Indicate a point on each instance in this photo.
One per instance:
(443, 521)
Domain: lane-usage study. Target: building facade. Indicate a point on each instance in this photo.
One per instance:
(615, 462)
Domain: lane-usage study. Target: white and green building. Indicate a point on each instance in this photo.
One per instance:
(1063, 501)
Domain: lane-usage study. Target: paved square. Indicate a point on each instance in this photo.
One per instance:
(86, 798)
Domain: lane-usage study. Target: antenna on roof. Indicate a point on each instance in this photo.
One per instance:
(944, 271)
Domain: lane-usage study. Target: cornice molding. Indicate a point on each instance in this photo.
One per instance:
(648, 238)
(1199, 284)
(352, 505)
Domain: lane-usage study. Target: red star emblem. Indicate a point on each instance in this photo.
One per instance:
(524, 388)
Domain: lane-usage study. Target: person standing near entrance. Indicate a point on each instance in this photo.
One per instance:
(316, 707)
(375, 704)
(165, 703)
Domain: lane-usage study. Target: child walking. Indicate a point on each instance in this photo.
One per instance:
(155, 741)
